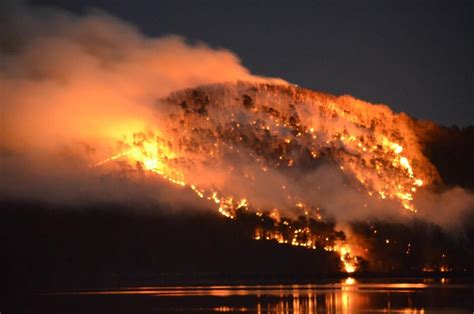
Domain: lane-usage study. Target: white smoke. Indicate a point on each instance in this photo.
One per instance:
(74, 85)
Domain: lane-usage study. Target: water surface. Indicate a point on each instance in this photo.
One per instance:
(344, 296)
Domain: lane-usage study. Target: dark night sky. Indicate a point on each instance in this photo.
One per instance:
(416, 56)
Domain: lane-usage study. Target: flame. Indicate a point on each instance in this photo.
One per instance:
(347, 260)
(272, 127)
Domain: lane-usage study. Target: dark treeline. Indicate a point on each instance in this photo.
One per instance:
(417, 247)
(110, 246)
(54, 248)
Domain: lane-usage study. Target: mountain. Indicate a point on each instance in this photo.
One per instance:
(283, 165)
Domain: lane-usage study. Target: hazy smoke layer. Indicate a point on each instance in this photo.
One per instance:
(80, 89)
(73, 86)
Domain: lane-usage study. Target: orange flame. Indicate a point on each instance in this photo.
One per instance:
(209, 123)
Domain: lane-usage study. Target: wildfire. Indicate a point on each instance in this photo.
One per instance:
(306, 238)
(250, 129)
(347, 260)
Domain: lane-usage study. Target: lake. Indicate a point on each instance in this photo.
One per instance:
(348, 295)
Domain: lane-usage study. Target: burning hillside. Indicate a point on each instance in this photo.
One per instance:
(148, 121)
(246, 129)
(261, 147)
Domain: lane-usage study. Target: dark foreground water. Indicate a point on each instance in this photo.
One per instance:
(342, 296)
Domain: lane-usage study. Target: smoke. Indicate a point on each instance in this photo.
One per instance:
(74, 86)
(447, 208)
(80, 89)
(295, 150)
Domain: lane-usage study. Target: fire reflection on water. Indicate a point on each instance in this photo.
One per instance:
(347, 296)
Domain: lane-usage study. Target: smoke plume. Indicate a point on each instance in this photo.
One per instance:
(73, 86)
(80, 92)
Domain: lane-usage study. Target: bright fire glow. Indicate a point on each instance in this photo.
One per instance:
(273, 128)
